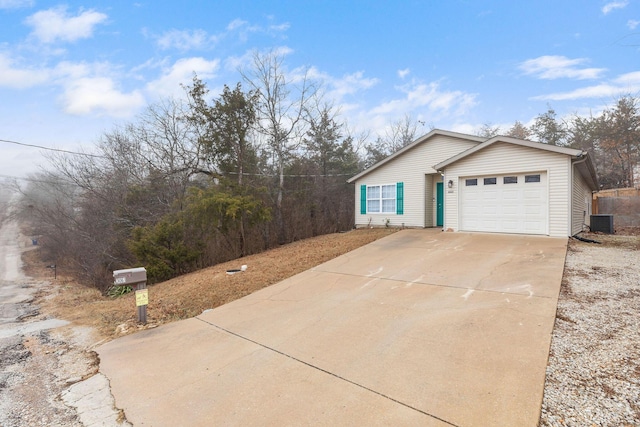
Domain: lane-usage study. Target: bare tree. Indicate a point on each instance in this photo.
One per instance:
(401, 133)
(398, 135)
(488, 130)
(518, 130)
(281, 106)
(140, 174)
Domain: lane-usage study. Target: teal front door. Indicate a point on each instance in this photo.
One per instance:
(439, 204)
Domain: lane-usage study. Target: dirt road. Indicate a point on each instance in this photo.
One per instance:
(47, 371)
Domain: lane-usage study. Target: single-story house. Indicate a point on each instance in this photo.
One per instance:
(468, 183)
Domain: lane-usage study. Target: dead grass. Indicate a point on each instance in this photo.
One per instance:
(624, 238)
(187, 296)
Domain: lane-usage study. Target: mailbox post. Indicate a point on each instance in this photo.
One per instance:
(136, 278)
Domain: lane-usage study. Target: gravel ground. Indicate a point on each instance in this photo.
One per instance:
(593, 375)
(35, 368)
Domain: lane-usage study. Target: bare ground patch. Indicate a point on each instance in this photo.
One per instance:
(593, 375)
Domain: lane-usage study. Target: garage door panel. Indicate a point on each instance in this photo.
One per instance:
(489, 210)
(489, 224)
(490, 195)
(532, 193)
(512, 207)
(511, 194)
(533, 210)
(510, 226)
(533, 227)
(510, 210)
(474, 224)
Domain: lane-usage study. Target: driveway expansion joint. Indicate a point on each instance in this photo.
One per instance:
(266, 347)
(391, 279)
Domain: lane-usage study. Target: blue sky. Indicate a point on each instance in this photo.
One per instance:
(69, 71)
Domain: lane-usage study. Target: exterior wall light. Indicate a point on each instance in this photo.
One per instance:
(450, 184)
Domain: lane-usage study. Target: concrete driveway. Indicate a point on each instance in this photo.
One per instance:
(420, 328)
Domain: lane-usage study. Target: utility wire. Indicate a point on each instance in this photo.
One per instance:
(46, 181)
(105, 157)
(51, 149)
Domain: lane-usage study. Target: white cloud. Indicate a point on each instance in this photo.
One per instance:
(236, 24)
(99, 95)
(404, 73)
(427, 103)
(614, 5)
(632, 24)
(337, 88)
(93, 89)
(629, 79)
(598, 91)
(85, 89)
(20, 78)
(350, 84)
(56, 24)
(199, 39)
(186, 40)
(279, 27)
(623, 84)
(15, 4)
(243, 28)
(181, 72)
(551, 67)
(427, 96)
(234, 63)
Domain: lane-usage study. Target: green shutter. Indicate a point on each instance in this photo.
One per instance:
(363, 199)
(400, 198)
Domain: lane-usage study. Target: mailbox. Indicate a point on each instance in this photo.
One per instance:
(130, 276)
(137, 279)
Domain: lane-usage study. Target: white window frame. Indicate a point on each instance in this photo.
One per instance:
(380, 199)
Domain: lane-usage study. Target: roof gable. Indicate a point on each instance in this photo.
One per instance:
(581, 158)
(423, 139)
(509, 140)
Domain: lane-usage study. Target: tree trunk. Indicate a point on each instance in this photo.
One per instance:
(282, 236)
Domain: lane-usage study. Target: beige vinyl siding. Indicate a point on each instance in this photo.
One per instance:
(429, 195)
(503, 158)
(581, 203)
(409, 168)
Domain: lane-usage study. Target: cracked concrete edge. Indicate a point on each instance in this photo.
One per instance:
(94, 402)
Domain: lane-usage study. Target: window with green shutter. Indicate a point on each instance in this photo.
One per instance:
(387, 198)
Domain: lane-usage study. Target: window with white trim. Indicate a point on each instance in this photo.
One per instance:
(381, 198)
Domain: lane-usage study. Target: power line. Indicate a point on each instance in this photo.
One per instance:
(51, 149)
(46, 181)
(104, 157)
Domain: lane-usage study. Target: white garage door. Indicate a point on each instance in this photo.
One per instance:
(514, 203)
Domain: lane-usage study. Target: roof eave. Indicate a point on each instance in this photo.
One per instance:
(588, 170)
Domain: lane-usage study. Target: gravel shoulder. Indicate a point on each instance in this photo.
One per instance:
(42, 358)
(593, 374)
